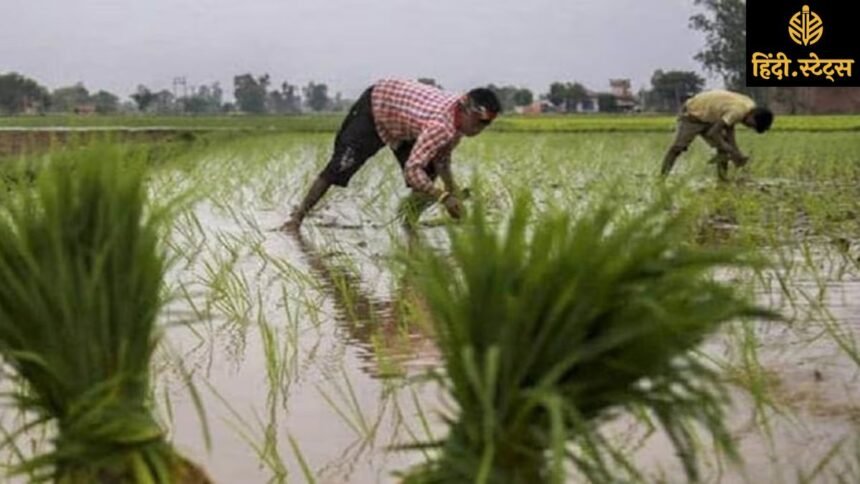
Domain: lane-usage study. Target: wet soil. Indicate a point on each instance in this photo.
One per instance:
(360, 355)
(14, 142)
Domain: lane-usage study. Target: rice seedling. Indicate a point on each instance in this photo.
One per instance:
(277, 357)
(796, 202)
(261, 437)
(346, 405)
(557, 325)
(82, 270)
(307, 473)
(796, 184)
(645, 123)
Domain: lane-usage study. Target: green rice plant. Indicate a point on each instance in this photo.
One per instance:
(328, 123)
(277, 357)
(82, 272)
(557, 325)
(261, 437)
(349, 409)
(841, 464)
(303, 463)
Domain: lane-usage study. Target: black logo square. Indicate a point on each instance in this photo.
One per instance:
(802, 43)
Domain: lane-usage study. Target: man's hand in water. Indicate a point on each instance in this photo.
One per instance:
(741, 160)
(291, 226)
(453, 206)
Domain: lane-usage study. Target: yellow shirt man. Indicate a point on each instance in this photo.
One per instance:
(713, 116)
(717, 105)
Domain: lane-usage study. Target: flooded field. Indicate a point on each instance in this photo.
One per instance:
(22, 141)
(310, 358)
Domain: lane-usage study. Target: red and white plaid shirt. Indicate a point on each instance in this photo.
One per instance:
(409, 110)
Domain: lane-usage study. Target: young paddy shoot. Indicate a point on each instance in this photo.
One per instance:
(82, 268)
(558, 324)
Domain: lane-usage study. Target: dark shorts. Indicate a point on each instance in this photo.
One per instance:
(357, 141)
(688, 128)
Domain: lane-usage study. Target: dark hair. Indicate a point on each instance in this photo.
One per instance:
(485, 98)
(763, 118)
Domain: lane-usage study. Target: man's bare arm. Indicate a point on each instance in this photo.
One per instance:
(723, 136)
(730, 137)
(443, 167)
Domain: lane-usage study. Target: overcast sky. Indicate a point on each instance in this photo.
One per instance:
(118, 44)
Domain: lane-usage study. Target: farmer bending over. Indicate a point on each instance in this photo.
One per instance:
(713, 116)
(422, 125)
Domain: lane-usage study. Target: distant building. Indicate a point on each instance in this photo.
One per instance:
(31, 107)
(85, 109)
(622, 100)
(814, 100)
(541, 106)
(591, 104)
(625, 101)
(620, 87)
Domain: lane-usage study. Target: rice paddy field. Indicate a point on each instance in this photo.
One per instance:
(310, 358)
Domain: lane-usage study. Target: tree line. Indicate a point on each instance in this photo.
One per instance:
(723, 23)
(259, 95)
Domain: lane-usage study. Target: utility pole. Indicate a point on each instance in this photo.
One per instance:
(180, 81)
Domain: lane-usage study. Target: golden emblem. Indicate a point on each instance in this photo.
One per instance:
(805, 27)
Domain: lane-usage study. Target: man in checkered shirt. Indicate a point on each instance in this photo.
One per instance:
(421, 124)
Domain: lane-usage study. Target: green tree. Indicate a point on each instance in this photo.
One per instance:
(195, 104)
(286, 100)
(512, 96)
(143, 98)
(557, 94)
(670, 89)
(19, 93)
(566, 95)
(607, 103)
(724, 24)
(523, 97)
(164, 102)
(250, 93)
(204, 100)
(791, 98)
(316, 96)
(66, 99)
(105, 102)
(505, 95)
(340, 103)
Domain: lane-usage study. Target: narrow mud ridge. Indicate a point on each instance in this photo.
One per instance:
(14, 142)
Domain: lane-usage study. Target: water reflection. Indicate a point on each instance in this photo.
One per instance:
(390, 334)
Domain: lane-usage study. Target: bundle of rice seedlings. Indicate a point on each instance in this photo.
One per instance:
(555, 326)
(81, 272)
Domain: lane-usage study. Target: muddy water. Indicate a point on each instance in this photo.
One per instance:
(343, 398)
(812, 396)
(299, 348)
(338, 386)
